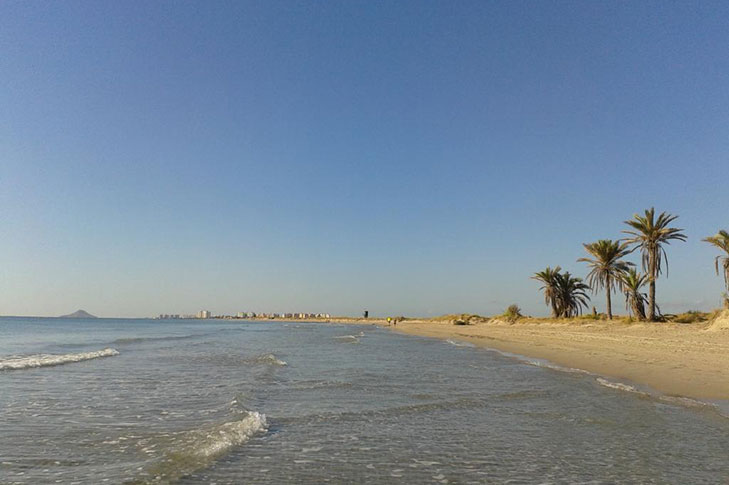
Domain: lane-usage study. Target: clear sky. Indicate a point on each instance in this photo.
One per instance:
(412, 158)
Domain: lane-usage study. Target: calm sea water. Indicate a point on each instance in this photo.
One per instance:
(144, 401)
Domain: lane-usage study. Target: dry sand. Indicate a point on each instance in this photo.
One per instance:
(677, 359)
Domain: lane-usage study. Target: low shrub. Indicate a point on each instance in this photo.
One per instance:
(513, 313)
(691, 316)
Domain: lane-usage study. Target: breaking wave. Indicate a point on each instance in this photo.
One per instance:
(618, 385)
(540, 362)
(134, 340)
(48, 360)
(182, 453)
(350, 339)
(458, 343)
(270, 359)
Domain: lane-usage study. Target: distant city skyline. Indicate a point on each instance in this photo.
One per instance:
(206, 314)
(406, 158)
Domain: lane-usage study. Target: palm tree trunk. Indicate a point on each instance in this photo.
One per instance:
(609, 303)
(652, 285)
(652, 300)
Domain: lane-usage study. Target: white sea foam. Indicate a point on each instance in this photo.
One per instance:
(618, 385)
(221, 438)
(548, 365)
(459, 343)
(47, 360)
(540, 362)
(351, 339)
(688, 402)
(270, 359)
(188, 451)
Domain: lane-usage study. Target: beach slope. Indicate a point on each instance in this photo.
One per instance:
(677, 359)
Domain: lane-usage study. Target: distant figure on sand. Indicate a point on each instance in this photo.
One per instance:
(388, 320)
(366, 314)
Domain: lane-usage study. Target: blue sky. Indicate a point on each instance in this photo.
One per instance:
(412, 158)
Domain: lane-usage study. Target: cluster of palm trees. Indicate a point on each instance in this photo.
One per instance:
(648, 234)
(563, 292)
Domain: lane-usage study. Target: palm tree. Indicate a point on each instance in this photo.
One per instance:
(635, 301)
(721, 241)
(650, 235)
(549, 279)
(606, 267)
(571, 295)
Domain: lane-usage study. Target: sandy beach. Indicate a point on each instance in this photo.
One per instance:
(676, 359)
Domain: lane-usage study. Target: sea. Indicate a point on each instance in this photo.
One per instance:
(125, 401)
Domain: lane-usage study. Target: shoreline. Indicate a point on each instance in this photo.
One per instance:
(684, 360)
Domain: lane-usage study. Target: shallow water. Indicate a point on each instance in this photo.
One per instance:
(274, 402)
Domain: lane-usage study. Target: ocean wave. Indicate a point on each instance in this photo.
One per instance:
(405, 410)
(691, 403)
(685, 402)
(134, 340)
(350, 339)
(549, 365)
(458, 343)
(270, 359)
(618, 385)
(524, 395)
(182, 453)
(320, 384)
(48, 360)
(540, 362)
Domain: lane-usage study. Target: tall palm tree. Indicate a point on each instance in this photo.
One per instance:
(571, 295)
(650, 235)
(548, 277)
(634, 300)
(606, 267)
(721, 241)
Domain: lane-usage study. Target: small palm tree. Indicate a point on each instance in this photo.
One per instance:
(606, 267)
(571, 295)
(721, 241)
(650, 235)
(634, 300)
(548, 277)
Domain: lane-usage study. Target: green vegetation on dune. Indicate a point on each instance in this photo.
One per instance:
(635, 300)
(512, 313)
(563, 292)
(606, 267)
(721, 241)
(649, 235)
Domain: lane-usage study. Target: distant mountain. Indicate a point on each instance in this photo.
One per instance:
(79, 314)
